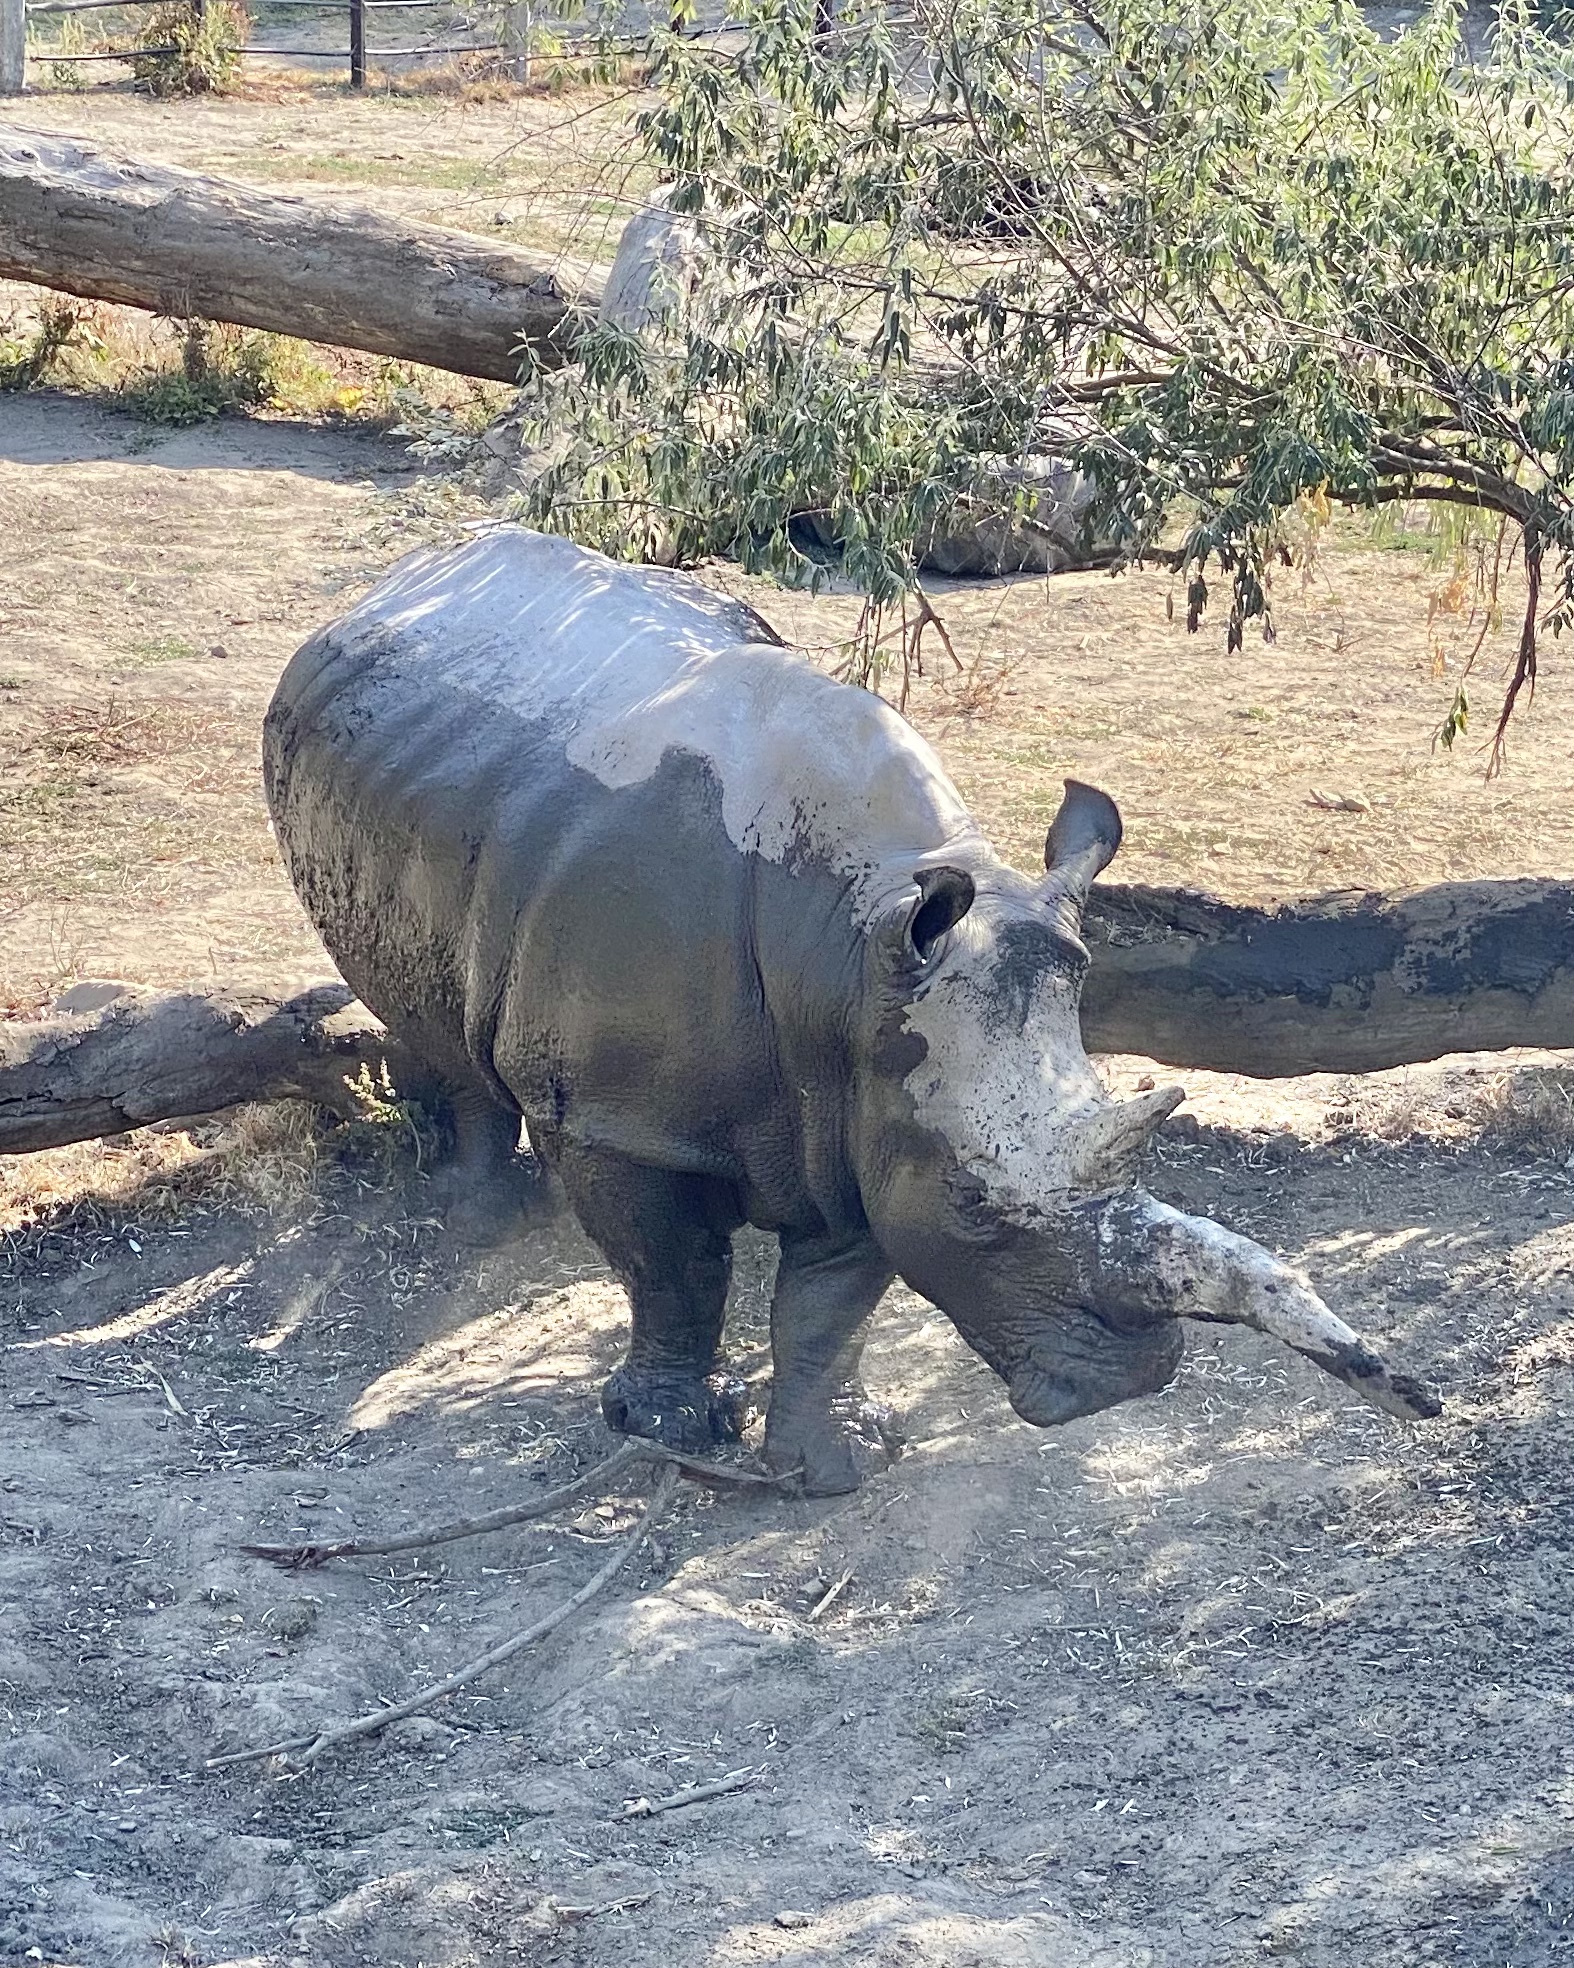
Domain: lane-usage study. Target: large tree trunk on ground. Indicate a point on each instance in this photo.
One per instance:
(1335, 984)
(155, 1056)
(1345, 984)
(112, 228)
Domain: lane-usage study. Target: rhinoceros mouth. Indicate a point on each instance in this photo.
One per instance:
(1092, 1364)
(1045, 1399)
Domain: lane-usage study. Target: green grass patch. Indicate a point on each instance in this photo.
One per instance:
(147, 650)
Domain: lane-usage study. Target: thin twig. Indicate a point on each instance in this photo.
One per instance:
(297, 1557)
(929, 618)
(829, 1598)
(315, 1746)
(1525, 662)
(649, 1807)
(570, 1915)
(698, 1470)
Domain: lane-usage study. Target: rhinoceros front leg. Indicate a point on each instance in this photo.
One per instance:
(825, 1293)
(668, 1237)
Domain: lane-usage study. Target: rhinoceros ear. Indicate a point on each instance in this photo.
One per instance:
(1083, 838)
(944, 897)
(1086, 829)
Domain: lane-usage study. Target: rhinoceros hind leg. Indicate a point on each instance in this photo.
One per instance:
(668, 1236)
(487, 1190)
(821, 1421)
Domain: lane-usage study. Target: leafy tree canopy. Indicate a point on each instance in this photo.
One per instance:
(1228, 256)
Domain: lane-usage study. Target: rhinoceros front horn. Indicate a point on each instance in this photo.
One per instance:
(1196, 1269)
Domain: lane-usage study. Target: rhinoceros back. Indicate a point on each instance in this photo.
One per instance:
(521, 790)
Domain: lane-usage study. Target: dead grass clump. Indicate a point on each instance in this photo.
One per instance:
(132, 1173)
(267, 1157)
(1402, 1113)
(1528, 1108)
(262, 1159)
(484, 77)
(977, 690)
(115, 732)
(111, 733)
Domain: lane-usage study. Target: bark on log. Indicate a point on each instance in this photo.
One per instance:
(112, 228)
(156, 1056)
(1332, 984)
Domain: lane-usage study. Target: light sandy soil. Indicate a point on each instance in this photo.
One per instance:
(1242, 1672)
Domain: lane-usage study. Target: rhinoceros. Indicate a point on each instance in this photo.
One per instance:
(609, 857)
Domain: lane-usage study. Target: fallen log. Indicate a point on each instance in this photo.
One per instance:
(111, 228)
(1339, 984)
(1331, 984)
(95, 1068)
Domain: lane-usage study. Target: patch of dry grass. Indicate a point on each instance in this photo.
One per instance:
(1527, 1108)
(114, 732)
(168, 372)
(261, 1159)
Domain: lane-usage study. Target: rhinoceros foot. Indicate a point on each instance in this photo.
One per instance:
(833, 1451)
(686, 1411)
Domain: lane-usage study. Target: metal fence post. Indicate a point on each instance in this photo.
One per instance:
(13, 47)
(357, 44)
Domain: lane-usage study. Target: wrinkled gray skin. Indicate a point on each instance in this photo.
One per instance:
(720, 930)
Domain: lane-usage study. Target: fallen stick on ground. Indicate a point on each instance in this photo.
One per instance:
(318, 1744)
(569, 1915)
(649, 1807)
(699, 1470)
(829, 1598)
(299, 1557)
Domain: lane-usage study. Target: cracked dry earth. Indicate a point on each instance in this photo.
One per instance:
(1240, 1672)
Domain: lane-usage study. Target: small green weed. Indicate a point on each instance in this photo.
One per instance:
(161, 649)
(220, 369)
(390, 1127)
(71, 40)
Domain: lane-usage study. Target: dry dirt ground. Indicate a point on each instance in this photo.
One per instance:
(1240, 1672)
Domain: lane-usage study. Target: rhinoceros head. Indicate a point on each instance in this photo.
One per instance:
(999, 1175)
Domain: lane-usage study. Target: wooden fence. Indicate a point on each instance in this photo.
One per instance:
(15, 14)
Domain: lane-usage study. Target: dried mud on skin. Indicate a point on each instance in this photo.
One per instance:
(1239, 1671)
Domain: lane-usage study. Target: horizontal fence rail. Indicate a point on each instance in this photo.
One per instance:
(15, 14)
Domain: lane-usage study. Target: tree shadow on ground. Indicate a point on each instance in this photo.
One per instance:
(53, 427)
